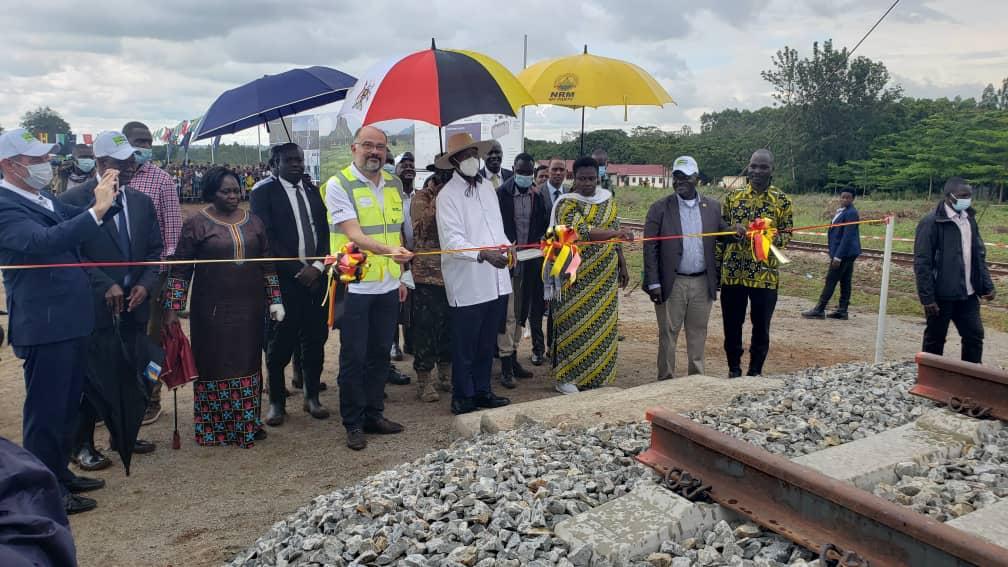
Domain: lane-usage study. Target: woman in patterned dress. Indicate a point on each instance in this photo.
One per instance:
(229, 301)
(585, 315)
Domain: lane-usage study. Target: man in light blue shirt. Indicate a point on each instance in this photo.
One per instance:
(680, 274)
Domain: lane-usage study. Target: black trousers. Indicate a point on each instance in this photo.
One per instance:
(537, 309)
(842, 274)
(54, 379)
(966, 316)
(761, 302)
(366, 330)
(303, 330)
(474, 341)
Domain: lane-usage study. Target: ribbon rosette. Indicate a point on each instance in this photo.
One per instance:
(761, 234)
(561, 259)
(351, 263)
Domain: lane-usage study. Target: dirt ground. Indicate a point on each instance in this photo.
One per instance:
(199, 506)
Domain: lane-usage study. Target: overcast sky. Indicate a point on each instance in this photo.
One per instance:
(106, 62)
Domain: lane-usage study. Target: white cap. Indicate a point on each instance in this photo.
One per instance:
(20, 142)
(113, 144)
(685, 164)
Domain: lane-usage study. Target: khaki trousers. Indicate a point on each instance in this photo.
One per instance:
(507, 342)
(688, 305)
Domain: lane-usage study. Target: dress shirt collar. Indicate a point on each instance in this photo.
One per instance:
(37, 198)
(552, 190)
(953, 214)
(288, 185)
(691, 203)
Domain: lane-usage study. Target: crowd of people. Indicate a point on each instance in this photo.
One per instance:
(442, 266)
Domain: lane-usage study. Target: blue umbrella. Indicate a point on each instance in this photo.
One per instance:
(271, 98)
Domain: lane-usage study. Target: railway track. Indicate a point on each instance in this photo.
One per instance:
(997, 269)
(844, 524)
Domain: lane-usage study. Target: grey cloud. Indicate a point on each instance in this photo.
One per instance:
(908, 11)
(928, 89)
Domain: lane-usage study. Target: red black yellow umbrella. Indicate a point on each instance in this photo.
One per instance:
(437, 86)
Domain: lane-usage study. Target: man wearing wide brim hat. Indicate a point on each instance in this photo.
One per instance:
(477, 283)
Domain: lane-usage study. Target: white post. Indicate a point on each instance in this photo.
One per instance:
(884, 294)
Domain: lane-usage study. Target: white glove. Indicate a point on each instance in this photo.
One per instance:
(277, 312)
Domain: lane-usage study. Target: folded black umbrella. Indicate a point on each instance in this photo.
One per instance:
(117, 384)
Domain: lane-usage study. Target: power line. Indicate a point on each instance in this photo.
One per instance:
(869, 32)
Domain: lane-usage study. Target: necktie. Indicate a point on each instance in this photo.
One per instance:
(123, 229)
(306, 231)
(495, 179)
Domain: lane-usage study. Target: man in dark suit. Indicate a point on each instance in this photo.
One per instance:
(133, 235)
(844, 248)
(295, 220)
(525, 213)
(681, 274)
(492, 170)
(51, 310)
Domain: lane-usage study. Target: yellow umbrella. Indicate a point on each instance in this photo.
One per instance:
(584, 80)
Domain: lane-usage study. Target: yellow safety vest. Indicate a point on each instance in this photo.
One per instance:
(382, 223)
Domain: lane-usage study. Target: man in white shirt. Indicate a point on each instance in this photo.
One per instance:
(365, 207)
(554, 183)
(477, 283)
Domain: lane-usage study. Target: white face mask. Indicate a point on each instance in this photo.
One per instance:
(469, 167)
(40, 175)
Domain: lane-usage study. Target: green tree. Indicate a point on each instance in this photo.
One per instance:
(833, 105)
(989, 98)
(45, 120)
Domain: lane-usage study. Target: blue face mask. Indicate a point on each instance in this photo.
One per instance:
(962, 204)
(143, 155)
(601, 171)
(389, 168)
(523, 181)
(85, 164)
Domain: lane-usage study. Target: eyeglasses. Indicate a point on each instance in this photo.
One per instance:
(370, 146)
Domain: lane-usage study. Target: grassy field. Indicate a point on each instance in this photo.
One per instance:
(803, 277)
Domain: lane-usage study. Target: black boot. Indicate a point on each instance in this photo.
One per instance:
(517, 369)
(838, 314)
(817, 312)
(507, 372)
(396, 377)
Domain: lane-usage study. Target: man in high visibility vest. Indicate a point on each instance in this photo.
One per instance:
(365, 207)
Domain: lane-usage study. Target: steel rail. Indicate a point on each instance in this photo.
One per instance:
(817, 512)
(973, 389)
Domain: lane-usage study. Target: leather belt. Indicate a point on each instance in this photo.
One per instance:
(693, 275)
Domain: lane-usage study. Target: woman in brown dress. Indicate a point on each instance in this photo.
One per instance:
(229, 301)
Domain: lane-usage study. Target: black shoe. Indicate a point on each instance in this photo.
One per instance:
(537, 359)
(460, 406)
(83, 484)
(140, 447)
(260, 435)
(90, 459)
(382, 426)
(519, 372)
(355, 440)
(316, 409)
(275, 415)
(322, 387)
(297, 382)
(74, 504)
(397, 378)
(491, 400)
(814, 313)
(841, 315)
(508, 381)
(754, 372)
(734, 372)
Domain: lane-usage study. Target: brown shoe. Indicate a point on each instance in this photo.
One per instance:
(382, 426)
(355, 440)
(444, 376)
(425, 387)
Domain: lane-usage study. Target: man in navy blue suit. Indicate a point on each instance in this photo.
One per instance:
(844, 248)
(51, 310)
